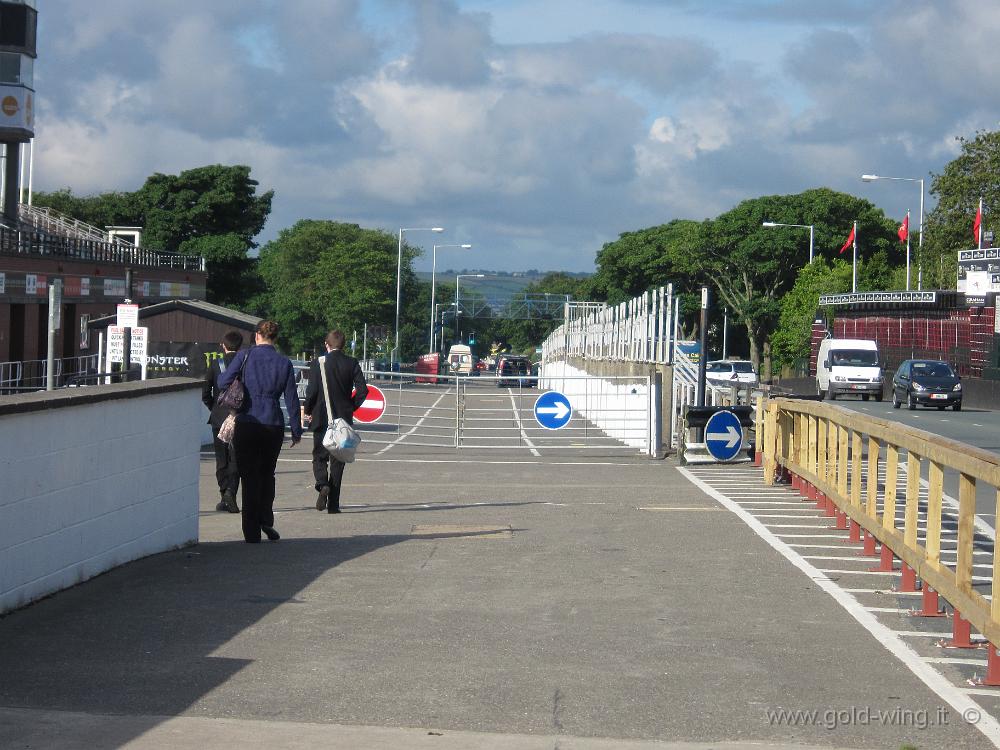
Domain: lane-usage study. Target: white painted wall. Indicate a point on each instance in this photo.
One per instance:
(619, 406)
(87, 487)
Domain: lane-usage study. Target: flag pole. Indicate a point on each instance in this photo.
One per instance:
(979, 237)
(854, 270)
(907, 249)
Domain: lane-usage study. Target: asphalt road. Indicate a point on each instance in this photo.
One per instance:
(482, 590)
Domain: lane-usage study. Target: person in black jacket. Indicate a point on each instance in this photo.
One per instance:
(343, 375)
(225, 459)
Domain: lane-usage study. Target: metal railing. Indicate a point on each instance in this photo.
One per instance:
(489, 412)
(638, 330)
(30, 375)
(49, 220)
(838, 456)
(42, 244)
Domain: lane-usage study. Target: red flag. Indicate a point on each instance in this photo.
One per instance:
(850, 239)
(904, 229)
(978, 223)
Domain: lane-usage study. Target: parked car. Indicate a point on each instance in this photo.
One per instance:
(926, 382)
(737, 372)
(513, 370)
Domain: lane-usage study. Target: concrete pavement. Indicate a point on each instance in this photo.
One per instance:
(462, 600)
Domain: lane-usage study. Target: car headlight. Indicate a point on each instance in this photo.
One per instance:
(958, 387)
(918, 387)
(839, 378)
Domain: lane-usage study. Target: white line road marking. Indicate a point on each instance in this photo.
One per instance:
(414, 428)
(890, 610)
(888, 592)
(517, 418)
(956, 660)
(956, 698)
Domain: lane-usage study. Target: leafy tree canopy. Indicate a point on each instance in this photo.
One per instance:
(973, 174)
(212, 211)
(324, 274)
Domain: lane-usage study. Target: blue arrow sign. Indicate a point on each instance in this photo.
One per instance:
(723, 435)
(553, 410)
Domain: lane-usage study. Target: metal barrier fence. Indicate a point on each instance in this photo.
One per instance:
(489, 412)
(21, 242)
(639, 330)
(30, 375)
(835, 456)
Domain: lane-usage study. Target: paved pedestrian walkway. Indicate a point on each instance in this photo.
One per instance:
(471, 600)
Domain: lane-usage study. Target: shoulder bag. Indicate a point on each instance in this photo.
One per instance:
(341, 440)
(235, 394)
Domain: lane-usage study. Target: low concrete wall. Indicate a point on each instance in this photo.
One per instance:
(607, 369)
(976, 393)
(95, 477)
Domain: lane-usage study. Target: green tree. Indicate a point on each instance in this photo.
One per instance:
(791, 339)
(325, 274)
(752, 267)
(973, 174)
(646, 258)
(212, 211)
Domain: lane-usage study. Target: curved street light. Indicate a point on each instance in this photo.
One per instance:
(433, 272)
(394, 354)
(810, 227)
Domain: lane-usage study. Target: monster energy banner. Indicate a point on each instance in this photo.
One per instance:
(180, 359)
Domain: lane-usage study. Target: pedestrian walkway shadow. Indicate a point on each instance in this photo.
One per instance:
(141, 639)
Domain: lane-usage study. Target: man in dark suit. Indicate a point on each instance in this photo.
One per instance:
(225, 458)
(343, 374)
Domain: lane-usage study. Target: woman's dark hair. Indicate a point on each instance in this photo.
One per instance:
(233, 340)
(268, 329)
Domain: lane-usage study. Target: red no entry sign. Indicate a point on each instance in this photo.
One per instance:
(373, 407)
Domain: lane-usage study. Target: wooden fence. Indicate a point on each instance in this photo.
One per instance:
(833, 454)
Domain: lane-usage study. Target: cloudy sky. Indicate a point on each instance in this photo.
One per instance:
(537, 130)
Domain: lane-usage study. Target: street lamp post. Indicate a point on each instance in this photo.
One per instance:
(463, 276)
(810, 227)
(920, 226)
(433, 272)
(394, 354)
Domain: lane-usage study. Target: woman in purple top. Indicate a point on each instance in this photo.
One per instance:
(260, 426)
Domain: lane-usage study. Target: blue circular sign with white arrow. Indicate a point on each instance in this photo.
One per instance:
(553, 410)
(723, 435)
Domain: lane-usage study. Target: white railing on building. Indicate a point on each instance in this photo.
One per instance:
(638, 330)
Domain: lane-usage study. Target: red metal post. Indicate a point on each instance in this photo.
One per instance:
(841, 520)
(854, 535)
(869, 549)
(929, 602)
(886, 561)
(992, 667)
(908, 581)
(961, 633)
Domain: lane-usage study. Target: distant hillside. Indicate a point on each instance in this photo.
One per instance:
(497, 284)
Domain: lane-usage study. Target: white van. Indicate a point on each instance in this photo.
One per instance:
(848, 366)
(460, 360)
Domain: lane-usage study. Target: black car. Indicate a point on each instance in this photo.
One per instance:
(926, 382)
(513, 370)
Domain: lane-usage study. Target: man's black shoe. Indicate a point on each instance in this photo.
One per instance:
(221, 505)
(333, 509)
(272, 533)
(229, 502)
(322, 497)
